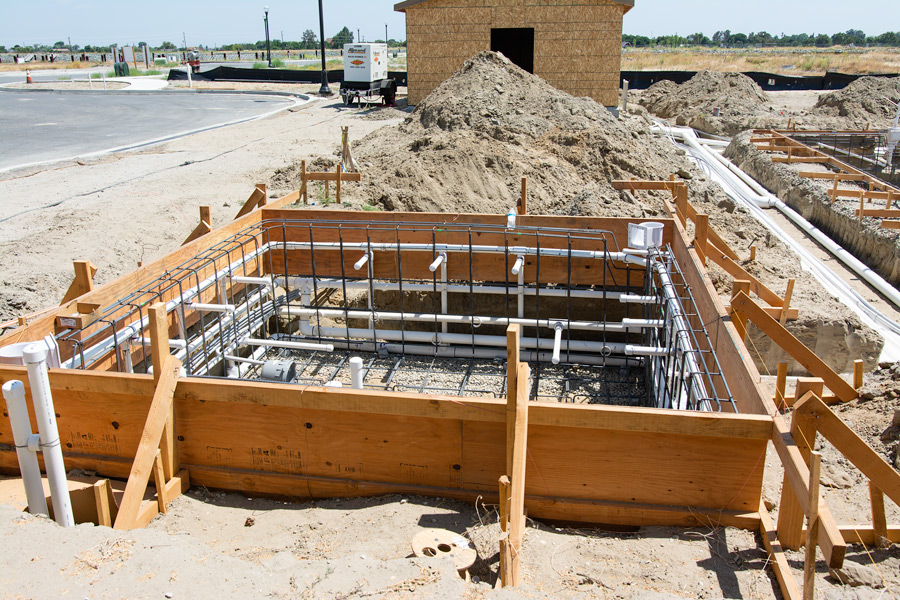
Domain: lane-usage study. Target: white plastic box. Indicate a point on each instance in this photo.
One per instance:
(365, 62)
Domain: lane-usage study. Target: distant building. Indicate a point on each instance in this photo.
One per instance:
(576, 46)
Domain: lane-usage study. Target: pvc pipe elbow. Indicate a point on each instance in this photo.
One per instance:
(362, 261)
(517, 267)
(442, 257)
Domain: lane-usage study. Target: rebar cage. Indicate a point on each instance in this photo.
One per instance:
(426, 306)
(869, 151)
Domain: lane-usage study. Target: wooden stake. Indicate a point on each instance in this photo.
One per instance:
(206, 218)
(862, 205)
(101, 499)
(752, 253)
(338, 184)
(834, 190)
(681, 204)
(701, 237)
(22, 321)
(144, 459)
(787, 302)
(781, 386)
(303, 186)
(523, 200)
(513, 343)
(739, 320)
(858, 366)
(812, 530)
(504, 527)
(890, 199)
(83, 282)
(264, 197)
(517, 481)
(159, 351)
(879, 521)
(159, 480)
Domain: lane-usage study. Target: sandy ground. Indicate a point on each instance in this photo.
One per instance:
(135, 206)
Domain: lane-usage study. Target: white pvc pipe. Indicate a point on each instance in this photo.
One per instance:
(356, 373)
(480, 352)
(557, 341)
(625, 326)
(437, 262)
(517, 267)
(315, 331)
(362, 261)
(14, 394)
(216, 308)
(36, 363)
(287, 344)
(742, 188)
(251, 280)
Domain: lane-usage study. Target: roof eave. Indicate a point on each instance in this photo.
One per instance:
(402, 6)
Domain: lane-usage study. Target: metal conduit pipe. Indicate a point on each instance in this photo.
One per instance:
(305, 284)
(464, 248)
(340, 333)
(625, 325)
(481, 353)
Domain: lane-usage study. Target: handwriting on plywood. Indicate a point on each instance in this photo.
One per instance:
(219, 457)
(283, 460)
(413, 473)
(93, 443)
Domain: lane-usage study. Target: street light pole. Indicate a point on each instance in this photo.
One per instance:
(324, 90)
(385, 33)
(268, 48)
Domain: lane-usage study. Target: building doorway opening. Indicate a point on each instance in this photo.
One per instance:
(516, 44)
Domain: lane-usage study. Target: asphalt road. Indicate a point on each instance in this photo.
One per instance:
(46, 126)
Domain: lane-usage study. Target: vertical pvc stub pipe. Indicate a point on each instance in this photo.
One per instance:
(14, 394)
(356, 373)
(557, 342)
(35, 357)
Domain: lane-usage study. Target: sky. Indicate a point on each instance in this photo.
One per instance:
(216, 22)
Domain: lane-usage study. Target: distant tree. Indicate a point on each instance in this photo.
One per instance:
(309, 38)
(823, 40)
(344, 36)
(698, 39)
(737, 39)
(59, 45)
(3, 49)
(167, 46)
(721, 37)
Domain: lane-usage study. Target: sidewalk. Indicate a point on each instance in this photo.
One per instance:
(141, 84)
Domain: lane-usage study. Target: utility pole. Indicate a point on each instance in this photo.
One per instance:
(324, 90)
(358, 37)
(268, 49)
(385, 33)
(184, 39)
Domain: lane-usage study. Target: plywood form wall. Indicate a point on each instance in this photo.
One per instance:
(577, 45)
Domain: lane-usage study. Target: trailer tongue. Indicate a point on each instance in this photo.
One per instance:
(366, 75)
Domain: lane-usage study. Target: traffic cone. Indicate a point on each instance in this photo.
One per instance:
(28, 76)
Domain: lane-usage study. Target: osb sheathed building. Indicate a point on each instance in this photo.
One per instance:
(573, 44)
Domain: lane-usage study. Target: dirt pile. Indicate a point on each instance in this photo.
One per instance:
(693, 102)
(466, 147)
(869, 100)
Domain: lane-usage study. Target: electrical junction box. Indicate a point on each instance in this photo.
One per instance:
(365, 62)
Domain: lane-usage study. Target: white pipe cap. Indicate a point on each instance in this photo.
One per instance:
(35, 353)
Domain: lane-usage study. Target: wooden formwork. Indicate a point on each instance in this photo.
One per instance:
(583, 463)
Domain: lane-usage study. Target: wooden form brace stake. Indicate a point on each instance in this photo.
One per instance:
(202, 228)
(523, 200)
(789, 588)
(739, 321)
(787, 302)
(701, 237)
(83, 282)
(148, 448)
(160, 351)
(516, 532)
(256, 200)
(812, 536)
(793, 452)
(338, 176)
(793, 346)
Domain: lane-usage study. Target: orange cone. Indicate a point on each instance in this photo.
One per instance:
(28, 77)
